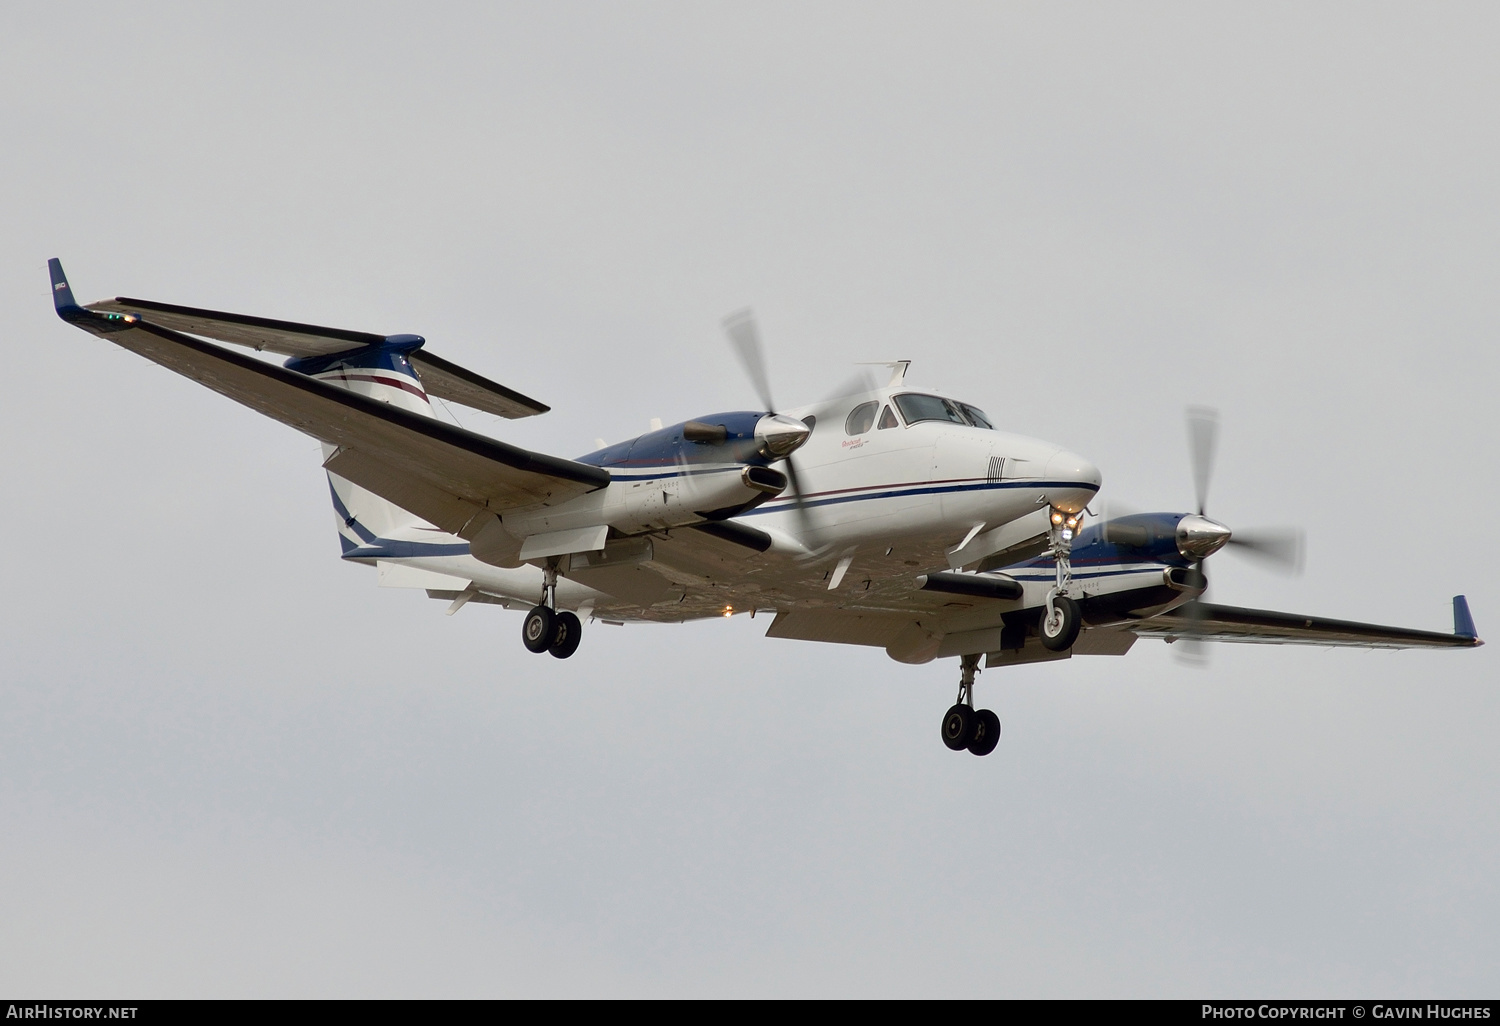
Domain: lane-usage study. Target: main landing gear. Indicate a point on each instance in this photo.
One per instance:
(545, 629)
(978, 730)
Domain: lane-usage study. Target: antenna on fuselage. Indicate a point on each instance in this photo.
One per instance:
(898, 370)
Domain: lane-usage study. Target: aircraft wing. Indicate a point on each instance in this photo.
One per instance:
(444, 474)
(287, 338)
(1209, 622)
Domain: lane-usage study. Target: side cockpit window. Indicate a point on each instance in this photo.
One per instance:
(861, 418)
(888, 419)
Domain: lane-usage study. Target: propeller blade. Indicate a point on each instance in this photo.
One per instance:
(1112, 510)
(1190, 648)
(856, 384)
(1203, 443)
(744, 336)
(799, 505)
(1281, 548)
(831, 403)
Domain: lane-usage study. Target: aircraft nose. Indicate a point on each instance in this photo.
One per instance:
(1072, 481)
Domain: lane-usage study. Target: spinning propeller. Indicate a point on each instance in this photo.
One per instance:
(1277, 547)
(1197, 537)
(1280, 548)
(780, 435)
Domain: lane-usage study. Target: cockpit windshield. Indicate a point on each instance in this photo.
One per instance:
(916, 407)
(976, 416)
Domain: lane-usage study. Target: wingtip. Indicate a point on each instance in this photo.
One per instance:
(1463, 620)
(62, 294)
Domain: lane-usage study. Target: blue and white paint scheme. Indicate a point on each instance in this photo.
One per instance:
(892, 516)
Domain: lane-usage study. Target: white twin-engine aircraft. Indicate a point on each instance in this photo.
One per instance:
(905, 521)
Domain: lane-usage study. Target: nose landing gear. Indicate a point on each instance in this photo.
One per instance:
(1061, 616)
(978, 730)
(547, 630)
(1060, 622)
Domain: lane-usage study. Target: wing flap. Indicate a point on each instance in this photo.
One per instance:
(839, 626)
(1209, 622)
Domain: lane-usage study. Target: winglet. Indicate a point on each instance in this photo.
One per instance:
(62, 296)
(89, 320)
(1463, 621)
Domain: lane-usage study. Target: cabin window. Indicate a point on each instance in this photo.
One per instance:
(888, 419)
(915, 408)
(861, 418)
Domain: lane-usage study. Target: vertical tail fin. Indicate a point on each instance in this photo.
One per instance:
(383, 372)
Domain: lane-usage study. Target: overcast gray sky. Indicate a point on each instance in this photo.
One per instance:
(229, 765)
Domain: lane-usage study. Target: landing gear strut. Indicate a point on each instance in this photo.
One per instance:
(547, 630)
(1061, 617)
(978, 730)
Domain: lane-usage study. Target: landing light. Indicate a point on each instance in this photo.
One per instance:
(728, 611)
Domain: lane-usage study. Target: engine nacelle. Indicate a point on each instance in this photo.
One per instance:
(633, 505)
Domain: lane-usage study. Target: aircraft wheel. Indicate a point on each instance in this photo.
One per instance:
(566, 636)
(986, 734)
(1060, 631)
(539, 629)
(959, 725)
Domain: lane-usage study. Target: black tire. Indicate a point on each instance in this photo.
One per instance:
(987, 734)
(539, 629)
(567, 635)
(1060, 635)
(959, 724)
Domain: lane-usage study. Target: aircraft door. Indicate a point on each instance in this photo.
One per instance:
(959, 469)
(887, 471)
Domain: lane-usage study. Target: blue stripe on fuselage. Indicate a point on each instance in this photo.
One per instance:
(361, 532)
(373, 547)
(1050, 576)
(894, 491)
(388, 548)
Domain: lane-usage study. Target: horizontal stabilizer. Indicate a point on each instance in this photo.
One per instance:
(440, 377)
(400, 575)
(447, 380)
